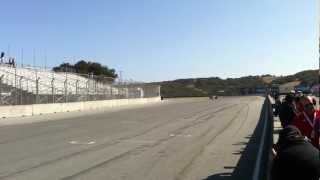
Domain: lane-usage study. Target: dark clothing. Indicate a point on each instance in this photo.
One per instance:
(296, 158)
(286, 114)
(299, 160)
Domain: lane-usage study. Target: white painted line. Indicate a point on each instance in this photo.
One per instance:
(82, 143)
(181, 135)
(91, 142)
(256, 171)
(73, 142)
(138, 141)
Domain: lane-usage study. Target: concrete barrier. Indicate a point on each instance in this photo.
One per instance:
(262, 168)
(37, 109)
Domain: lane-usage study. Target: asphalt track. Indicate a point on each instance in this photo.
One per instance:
(178, 139)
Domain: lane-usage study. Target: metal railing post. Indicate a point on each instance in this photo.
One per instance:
(1, 80)
(95, 89)
(52, 90)
(111, 92)
(37, 90)
(77, 87)
(87, 90)
(66, 87)
(105, 92)
(20, 87)
(15, 87)
(66, 90)
(27, 86)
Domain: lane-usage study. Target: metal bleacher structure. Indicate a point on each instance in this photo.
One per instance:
(29, 85)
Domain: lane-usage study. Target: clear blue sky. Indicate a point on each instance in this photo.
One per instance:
(154, 40)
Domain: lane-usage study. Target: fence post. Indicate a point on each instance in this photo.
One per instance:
(87, 90)
(127, 92)
(95, 89)
(15, 87)
(37, 90)
(27, 85)
(111, 94)
(142, 92)
(105, 92)
(5, 80)
(20, 87)
(66, 90)
(52, 90)
(77, 87)
(66, 87)
(1, 80)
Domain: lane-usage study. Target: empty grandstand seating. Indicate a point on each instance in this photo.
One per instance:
(28, 85)
(42, 81)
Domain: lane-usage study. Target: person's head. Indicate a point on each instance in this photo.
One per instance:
(289, 98)
(307, 104)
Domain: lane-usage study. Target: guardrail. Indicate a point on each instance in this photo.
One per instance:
(264, 159)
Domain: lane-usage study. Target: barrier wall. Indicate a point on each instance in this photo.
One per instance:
(264, 159)
(37, 109)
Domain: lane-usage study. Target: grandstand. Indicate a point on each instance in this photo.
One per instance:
(30, 85)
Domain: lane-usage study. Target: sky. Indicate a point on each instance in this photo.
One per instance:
(157, 40)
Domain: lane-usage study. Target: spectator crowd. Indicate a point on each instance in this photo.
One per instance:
(296, 154)
(10, 61)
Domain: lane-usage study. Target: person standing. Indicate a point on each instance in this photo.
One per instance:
(295, 158)
(308, 122)
(287, 110)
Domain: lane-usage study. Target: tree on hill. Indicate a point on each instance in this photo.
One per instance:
(231, 86)
(309, 77)
(83, 67)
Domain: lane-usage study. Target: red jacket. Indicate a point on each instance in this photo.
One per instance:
(309, 127)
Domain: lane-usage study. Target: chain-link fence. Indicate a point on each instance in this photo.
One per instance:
(30, 85)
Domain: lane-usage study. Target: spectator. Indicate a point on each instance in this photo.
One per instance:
(287, 110)
(13, 62)
(308, 122)
(9, 61)
(1, 57)
(296, 158)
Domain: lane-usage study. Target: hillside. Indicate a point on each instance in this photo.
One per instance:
(231, 86)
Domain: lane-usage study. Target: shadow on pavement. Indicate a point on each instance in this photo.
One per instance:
(245, 166)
